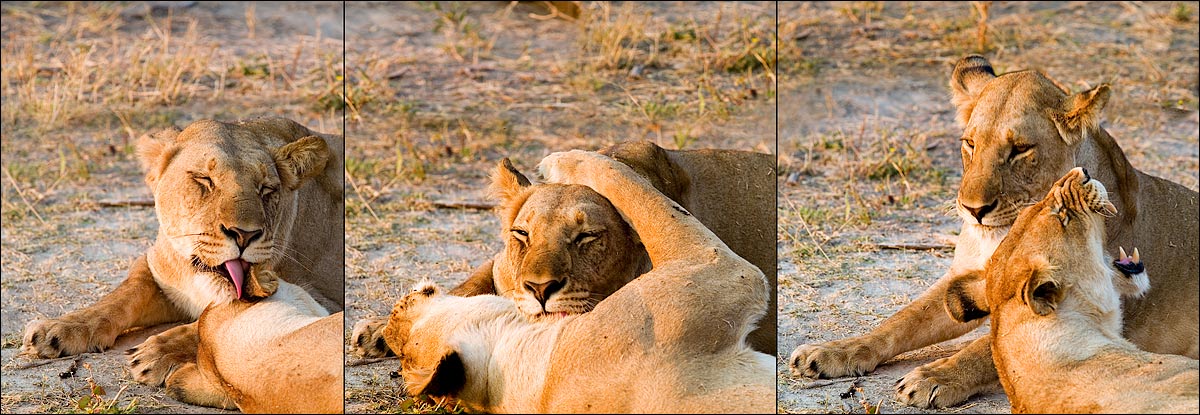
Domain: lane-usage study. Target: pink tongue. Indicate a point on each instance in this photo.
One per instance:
(237, 269)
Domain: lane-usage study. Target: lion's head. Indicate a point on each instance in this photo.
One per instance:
(1055, 246)
(1021, 132)
(424, 329)
(225, 195)
(566, 247)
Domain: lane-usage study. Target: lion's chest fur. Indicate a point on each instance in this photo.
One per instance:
(974, 246)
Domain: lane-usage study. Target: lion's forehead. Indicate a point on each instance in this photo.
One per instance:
(566, 212)
(237, 163)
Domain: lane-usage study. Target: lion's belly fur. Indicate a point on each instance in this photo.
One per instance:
(594, 363)
(282, 354)
(1066, 365)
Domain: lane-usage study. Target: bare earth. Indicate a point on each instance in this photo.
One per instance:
(868, 152)
(451, 90)
(80, 83)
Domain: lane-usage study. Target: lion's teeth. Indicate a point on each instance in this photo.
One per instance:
(1137, 256)
(1123, 256)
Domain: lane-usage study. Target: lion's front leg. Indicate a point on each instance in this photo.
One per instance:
(950, 381)
(919, 324)
(667, 230)
(137, 302)
(153, 361)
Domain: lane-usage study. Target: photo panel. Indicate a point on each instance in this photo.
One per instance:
(904, 163)
(159, 157)
(440, 94)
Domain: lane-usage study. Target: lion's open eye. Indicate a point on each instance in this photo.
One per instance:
(1019, 150)
(585, 237)
(521, 235)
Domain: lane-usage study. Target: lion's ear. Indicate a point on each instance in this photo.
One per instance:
(446, 378)
(155, 151)
(965, 297)
(969, 77)
(300, 160)
(507, 182)
(1040, 292)
(1081, 117)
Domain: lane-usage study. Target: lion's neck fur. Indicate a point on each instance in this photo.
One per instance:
(1079, 348)
(188, 290)
(287, 310)
(506, 359)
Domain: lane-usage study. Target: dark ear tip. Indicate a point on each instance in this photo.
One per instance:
(973, 63)
(506, 164)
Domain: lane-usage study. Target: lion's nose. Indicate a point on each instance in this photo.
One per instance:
(241, 236)
(980, 212)
(542, 291)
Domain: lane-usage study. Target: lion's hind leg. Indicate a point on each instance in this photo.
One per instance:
(187, 384)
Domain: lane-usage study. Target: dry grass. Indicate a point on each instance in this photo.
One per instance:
(868, 148)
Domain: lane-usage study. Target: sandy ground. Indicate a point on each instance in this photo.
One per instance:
(868, 151)
(61, 248)
(449, 91)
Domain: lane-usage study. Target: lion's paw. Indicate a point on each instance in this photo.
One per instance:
(62, 337)
(366, 340)
(849, 357)
(153, 360)
(935, 385)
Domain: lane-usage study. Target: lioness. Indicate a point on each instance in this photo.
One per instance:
(670, 341)
(1056, 318)
(1023, 132)
(566, 248)
(281, 354)
(228, 196)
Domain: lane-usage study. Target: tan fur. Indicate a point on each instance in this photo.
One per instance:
(279, 355)
(1056, 319)
(208, 177)
(1022, 132)
(671, 341)
(576, 237)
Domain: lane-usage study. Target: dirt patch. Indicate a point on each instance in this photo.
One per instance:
(442, 92)
(80, 83)
(868, 150)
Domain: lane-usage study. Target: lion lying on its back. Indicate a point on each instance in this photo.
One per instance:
(672, 340)
(282, 354)
(1056, 314)
(567, 248)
